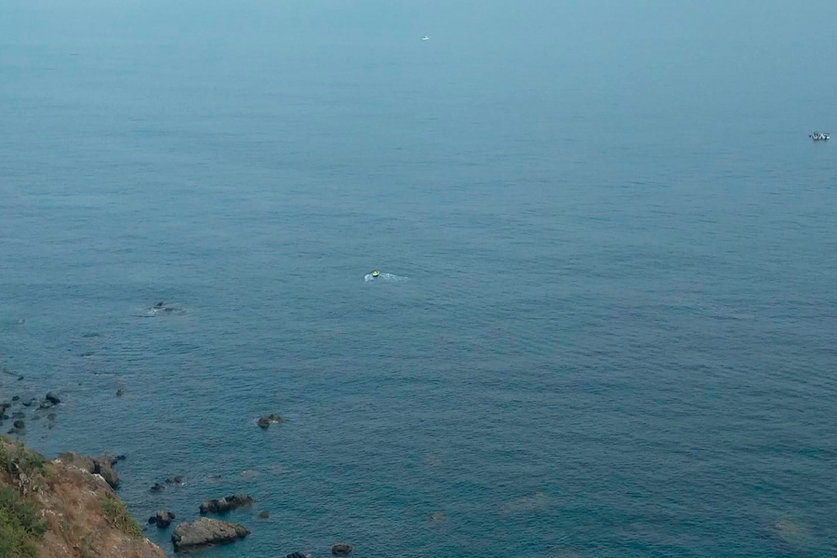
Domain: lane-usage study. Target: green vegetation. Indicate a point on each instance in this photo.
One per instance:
(119, 518)
(20, 525)
(25, 469)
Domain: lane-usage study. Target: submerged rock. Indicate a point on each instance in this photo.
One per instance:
(205, 532)
(341, 549)
(264, 514)
(298, 555)
(156, 487)
(177, 479)
(52, 398)
(436, 517)
(223, 505)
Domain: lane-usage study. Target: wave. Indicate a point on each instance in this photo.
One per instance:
(161, 309)
(385, 277)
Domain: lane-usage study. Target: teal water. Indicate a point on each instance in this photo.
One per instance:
(615, 335)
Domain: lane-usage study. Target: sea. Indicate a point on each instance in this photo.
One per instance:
(606, 313)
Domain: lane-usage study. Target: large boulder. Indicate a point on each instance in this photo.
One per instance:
(94, 465)
(162, 518)
(223, 505)
(205, 532)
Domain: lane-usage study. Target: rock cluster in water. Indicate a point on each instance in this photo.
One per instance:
(189, 536)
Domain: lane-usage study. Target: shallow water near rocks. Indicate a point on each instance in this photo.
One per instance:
(617, 334)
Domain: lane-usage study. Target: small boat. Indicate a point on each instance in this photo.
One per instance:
(820, 136)
(425, 38)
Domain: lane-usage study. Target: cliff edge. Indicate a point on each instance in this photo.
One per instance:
(52, 509)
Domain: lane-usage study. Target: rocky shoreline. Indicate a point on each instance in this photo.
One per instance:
(188, 535)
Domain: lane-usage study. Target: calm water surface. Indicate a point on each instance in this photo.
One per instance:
(614, 329)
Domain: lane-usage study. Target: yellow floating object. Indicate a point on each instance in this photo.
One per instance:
(376, 273)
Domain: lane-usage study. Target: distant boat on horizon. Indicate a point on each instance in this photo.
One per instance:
(425, 38)
(820, 136)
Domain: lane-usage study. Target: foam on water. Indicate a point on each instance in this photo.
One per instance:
(385, 277)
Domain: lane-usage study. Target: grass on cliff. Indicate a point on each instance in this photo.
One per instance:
(119, 518)
(23, 469)
(20, 525)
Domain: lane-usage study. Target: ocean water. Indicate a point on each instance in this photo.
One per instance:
(606, 318)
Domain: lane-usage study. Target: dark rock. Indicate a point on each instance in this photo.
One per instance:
(341, 549)
(52, 398)
(118, 458)
(223, 505)
(205, 532)
(94, 465)
(162, 518)
(264, 514)
(157, 487)
(298, 555)
(104, 467)
(266, 420)
(19, 424)
(29, 402)
(120, 392)
(16, 398)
